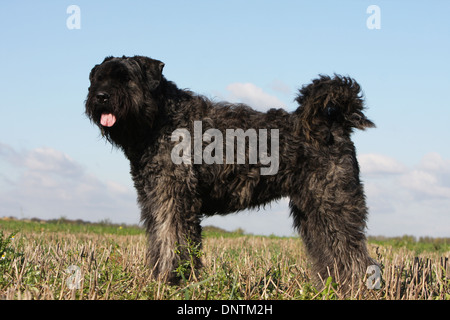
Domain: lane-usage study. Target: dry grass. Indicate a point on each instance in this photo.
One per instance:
(111, 266)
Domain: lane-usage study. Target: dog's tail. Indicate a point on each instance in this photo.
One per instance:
(330, 106)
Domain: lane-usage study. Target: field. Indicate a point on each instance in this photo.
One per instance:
(60, 260)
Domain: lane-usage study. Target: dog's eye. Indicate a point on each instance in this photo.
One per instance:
(331, 111)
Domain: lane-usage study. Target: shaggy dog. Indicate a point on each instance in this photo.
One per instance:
(191, 157)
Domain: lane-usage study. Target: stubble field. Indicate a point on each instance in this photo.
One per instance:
(63, 260)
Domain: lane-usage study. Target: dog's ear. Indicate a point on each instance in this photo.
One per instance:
(92, 73)
(152, 69)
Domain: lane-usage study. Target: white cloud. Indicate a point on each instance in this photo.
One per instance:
(430, 179)
(50, 184)
(407, 200)
(280, 86)
(48, 160)
(425, 185)
(435, 163)
(254, 96)
(380, 164)
(117, 188)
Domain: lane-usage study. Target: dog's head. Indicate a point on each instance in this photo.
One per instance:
(331, 106)
(121, 93)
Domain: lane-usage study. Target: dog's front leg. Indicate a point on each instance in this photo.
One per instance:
(170, 213)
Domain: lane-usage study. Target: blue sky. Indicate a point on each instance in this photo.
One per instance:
(54, 163)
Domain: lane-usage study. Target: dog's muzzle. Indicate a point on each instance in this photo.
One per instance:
(107, 119)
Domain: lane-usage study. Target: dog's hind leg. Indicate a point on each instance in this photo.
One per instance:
(330, 215)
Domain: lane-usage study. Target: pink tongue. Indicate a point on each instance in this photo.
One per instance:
(108, 120)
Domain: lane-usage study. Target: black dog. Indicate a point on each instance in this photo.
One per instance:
(189, 158)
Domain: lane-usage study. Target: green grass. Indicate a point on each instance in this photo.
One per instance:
(421, 245)
(40, 260)
(71, 226)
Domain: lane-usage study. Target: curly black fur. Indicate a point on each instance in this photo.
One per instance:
(137, 110)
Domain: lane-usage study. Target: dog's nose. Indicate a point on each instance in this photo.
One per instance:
(102, 96)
